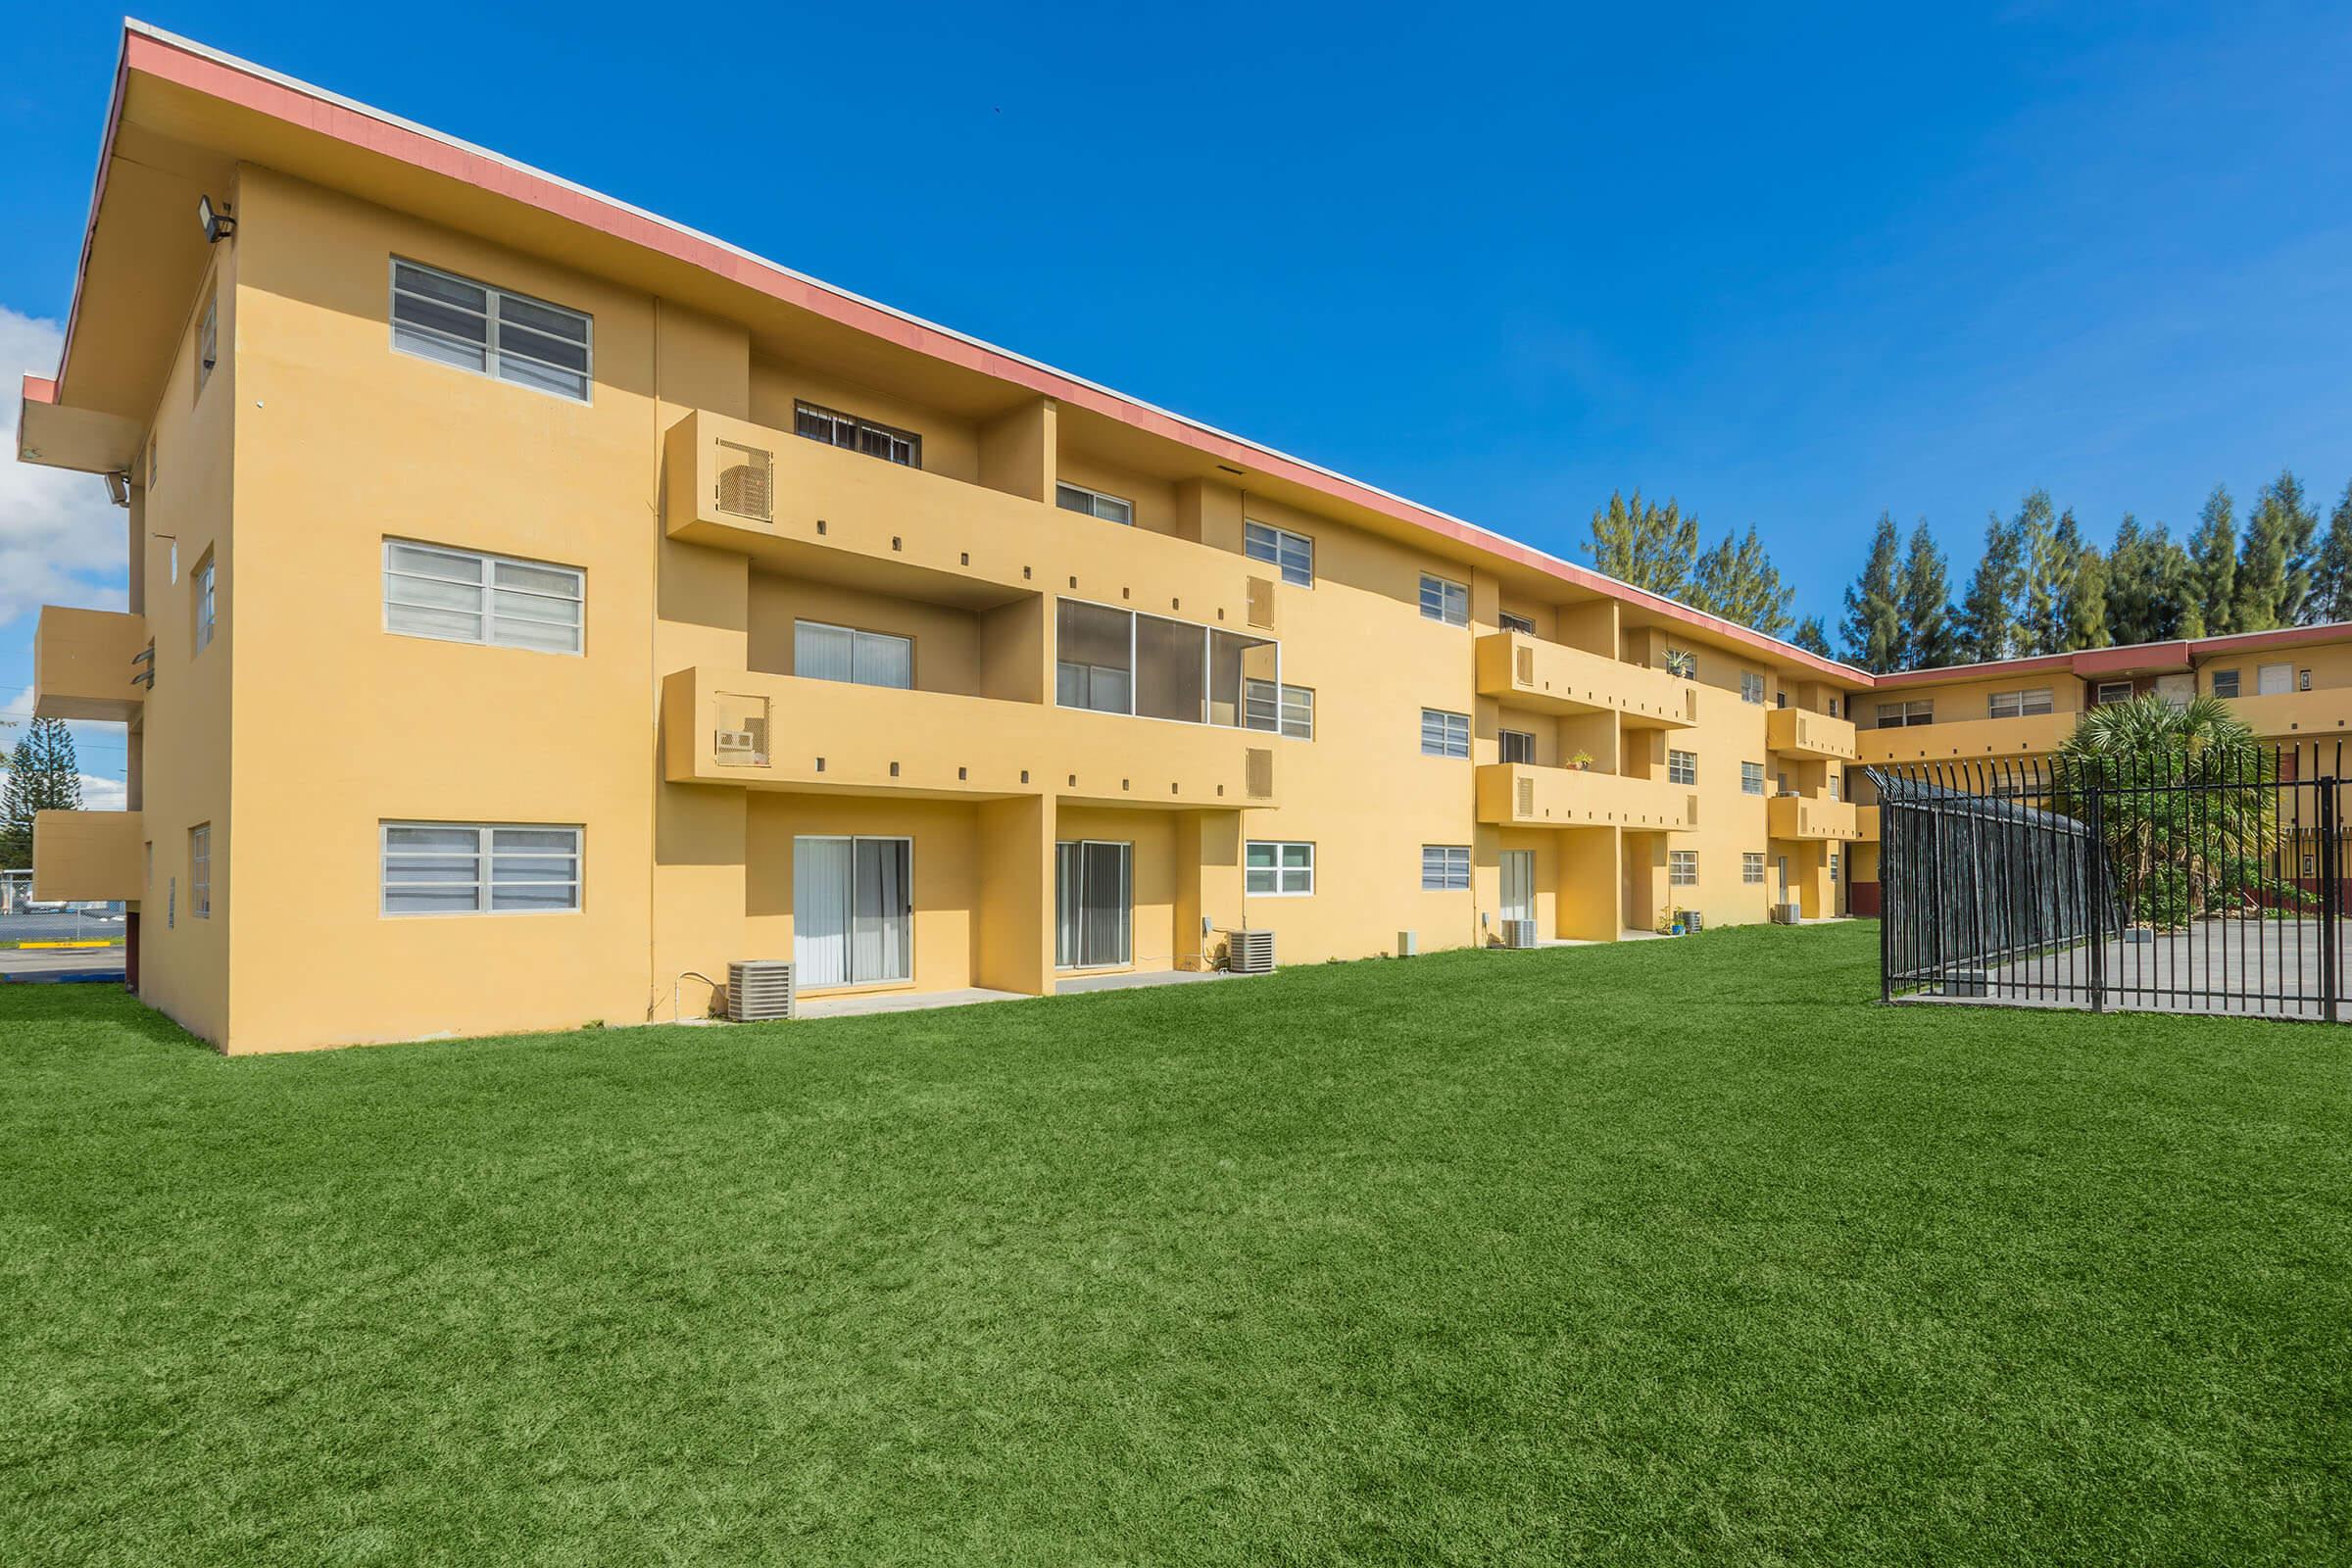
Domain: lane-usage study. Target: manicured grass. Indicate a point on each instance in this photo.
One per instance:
(1668, 1253)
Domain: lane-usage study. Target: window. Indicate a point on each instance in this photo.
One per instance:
(1682, 869)
(1118, 662)
(1517, 746)
(852, 910)
(1444, 734)
(1445, 599)
(1291, 710)
(2113, 691)
(155, 471)
(1833, 869)
(2224, 684)
(207, 605)
(1918, 711)
(2272, 679)
(200, 871)
(464, 596)
(1292, 554)
(479, 868)
(1518, 624)
(1681, 767)
(1278, 870)
(1751, 687)
(1751, 779)
(1751, 867)
(1445, 868)
(2015, 704)
(454, 321)
(821, 652)
(1093, 502)
(207, 341)
(838, 429)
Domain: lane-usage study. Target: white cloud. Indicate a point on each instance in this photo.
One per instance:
(61, 540)
(95, 745)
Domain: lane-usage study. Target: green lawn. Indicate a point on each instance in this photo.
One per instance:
(1675, 1252)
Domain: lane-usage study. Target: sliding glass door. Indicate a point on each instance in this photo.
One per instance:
(853, 912)
(1093, 904)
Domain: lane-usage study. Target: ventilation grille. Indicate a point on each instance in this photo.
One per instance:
(1518, 933)
(1525, 806)
(1257, 773)
(747, 481)
(1261, 603)
(1249, 953)
(1523, 659)
(758, 990)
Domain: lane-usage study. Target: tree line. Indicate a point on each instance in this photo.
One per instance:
(2041, 586)
(43, 777)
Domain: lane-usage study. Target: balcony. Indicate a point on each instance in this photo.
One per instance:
(783, 732)
(87, 856)
(1866, 820)
(1807, 816)
(836, 515)
(2032, 736)
(84, 663)
(1520, 795)
(2297, 716)
(1553, 678)
(1799, 732)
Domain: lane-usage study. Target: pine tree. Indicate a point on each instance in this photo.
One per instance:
(1926, 638)
(2209, 591)
(1812, 636)
(1737, 582)
(1987, 628)
(1874, 605)
(2273, 565)
(2131, 582)
(43, 777)
(2086, 594)
(1649, 546)
(2331, 568)
(2042, 617)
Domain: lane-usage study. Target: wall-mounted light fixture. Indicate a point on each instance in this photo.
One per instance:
(218, 225)
(117, 486)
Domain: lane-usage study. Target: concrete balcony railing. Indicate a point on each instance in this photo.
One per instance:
(1522, 795)
(1968, 738)
(1866, 821)
(830, 513)
(87, 856)
(2297, 716)
(1799, 732)
(783, 732)
(1806, 816)
(86, 663)
(1553, 677)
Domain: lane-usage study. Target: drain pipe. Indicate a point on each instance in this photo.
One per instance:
(685, 975)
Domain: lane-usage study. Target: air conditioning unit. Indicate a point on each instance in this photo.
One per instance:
(747, 485)
(739, 743)
(1694, 922)
(1408, 944)
(1518, 933)
(760, 990)
(1788, 914)
(1250, 952)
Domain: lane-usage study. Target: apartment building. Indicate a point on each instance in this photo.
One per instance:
(535, 606)
(2294, 686)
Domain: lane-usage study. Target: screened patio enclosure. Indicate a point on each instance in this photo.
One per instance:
(1123, 662)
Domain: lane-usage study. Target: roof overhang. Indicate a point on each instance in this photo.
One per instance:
(50, 433)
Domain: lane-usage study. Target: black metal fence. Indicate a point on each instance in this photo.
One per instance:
(2198, 881)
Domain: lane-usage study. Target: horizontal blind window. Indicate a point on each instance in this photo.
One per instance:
(476, 326)
(466, 596)
(1093, 502)
(1445, 868)
(1440, 599)
(1277, 870)
(479, 868)
(1518, 624)
(821, 652)
(1444, 734)
(838, 429)
(1293, 555)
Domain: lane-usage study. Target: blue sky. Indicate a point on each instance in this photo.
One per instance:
(1793, 268)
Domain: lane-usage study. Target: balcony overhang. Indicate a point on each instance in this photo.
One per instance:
(1522, 795)
(87, 663)
(85, 440)
(87, 856)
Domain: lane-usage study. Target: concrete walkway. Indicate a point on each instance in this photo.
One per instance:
(1076, 985)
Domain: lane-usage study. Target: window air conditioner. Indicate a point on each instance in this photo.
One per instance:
(735, 742)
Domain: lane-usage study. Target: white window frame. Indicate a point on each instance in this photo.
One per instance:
(2231, 675)
(1262, 541)
(1508, 621)
(487, 604)
(1751, 779)
(1682, 869)
(2026, 702)
(2263, 675)
(200, 871)
(1907, 714)
(1503, 744)
(1751, 868)
(205, 583)
(1751, 687)
(1281, 879)
(1447, 724)
(1291, 708)
(1443, 599)
(2111, 691)
(1439, 868)
(859, 637)
(485, 854)
(1207, 662)
(1681, 767)
(1091, 503)
(493, 355)
(208, 340)
(859, 427)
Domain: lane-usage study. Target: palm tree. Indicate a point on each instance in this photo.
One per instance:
(2185, 801)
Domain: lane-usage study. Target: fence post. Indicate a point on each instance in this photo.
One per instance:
(2330, 871)
(2095, 869)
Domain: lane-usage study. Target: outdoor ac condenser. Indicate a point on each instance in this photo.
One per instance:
(1408, 944)
(760, 990)
(1788, 914)
(1250, 952)
(1518, 933)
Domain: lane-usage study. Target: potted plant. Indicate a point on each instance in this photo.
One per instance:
(1582, 761)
